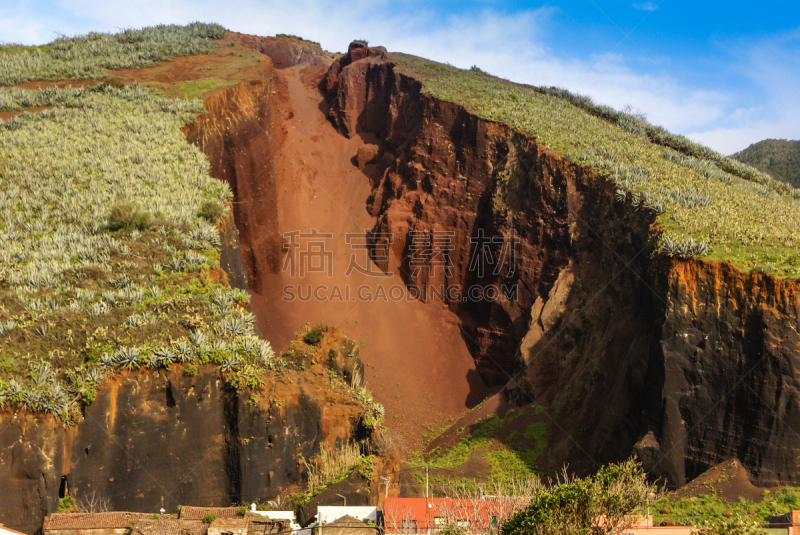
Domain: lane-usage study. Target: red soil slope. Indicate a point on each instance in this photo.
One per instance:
(418, 365)
(291, 171)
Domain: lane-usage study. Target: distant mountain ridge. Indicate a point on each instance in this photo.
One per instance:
(777, 157)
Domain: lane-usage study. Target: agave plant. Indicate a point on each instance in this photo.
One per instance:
(249, 344)
(153, 361)
(139, 320)
(127, 357)
(107, 360)
(230, 364)
(30, 400)
(221, 299)
(13, 389)
(7, 327)
(264, 351)
(99, 308)
(165, 356)
(686, 248)
(218, 345)
(176, 264)
(43, 373)
(198, 338)
(183, 352)
(120, 282)
(95, 375)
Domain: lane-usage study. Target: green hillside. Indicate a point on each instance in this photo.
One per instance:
(109, 229)
(778, 157)
(709, 205)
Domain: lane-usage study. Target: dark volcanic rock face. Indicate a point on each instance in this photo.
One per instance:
(731, 362)
(153, 434)
(685, 363)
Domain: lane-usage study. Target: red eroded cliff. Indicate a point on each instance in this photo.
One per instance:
(686, 363)
(241, 133)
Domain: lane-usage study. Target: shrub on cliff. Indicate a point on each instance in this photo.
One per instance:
(211, 211)
(602, 503)
(314, 336)
(66, 504)
(127, 216)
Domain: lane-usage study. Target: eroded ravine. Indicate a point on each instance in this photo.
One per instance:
(421, 369)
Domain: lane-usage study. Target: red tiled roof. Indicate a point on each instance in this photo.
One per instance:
(169, 527)
(110, 520)
(198, 513)
(424, 511)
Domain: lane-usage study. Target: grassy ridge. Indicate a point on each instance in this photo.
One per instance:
(107, 248)
(90, 56)
(705, 208)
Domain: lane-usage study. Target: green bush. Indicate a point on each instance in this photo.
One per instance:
(127, 216)
(736, 525)
(572, 505)
(209, 518)
(314, 336)
(211, 211)
(111, 81)
(66, 504)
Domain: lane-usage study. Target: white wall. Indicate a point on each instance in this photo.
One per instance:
(330, 513)
(278, 515)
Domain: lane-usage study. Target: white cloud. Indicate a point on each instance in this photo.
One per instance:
(769, 107)
(646, 6)
(514, 46)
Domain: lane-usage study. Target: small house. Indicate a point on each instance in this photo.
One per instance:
(331, 513)
(286, 516)
(110, 523)
(346, 525)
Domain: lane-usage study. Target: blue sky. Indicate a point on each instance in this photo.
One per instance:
(723, 73)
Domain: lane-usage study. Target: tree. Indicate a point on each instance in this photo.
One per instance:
(92, 503)
(400, 520)
(603, 503)
(473, 507)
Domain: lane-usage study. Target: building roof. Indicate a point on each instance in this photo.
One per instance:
(4, 530)
(329, 513)
(109, 520)
(252, 524)
(424, 511)
(348, 525)
(198, 513)
(169, 527)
